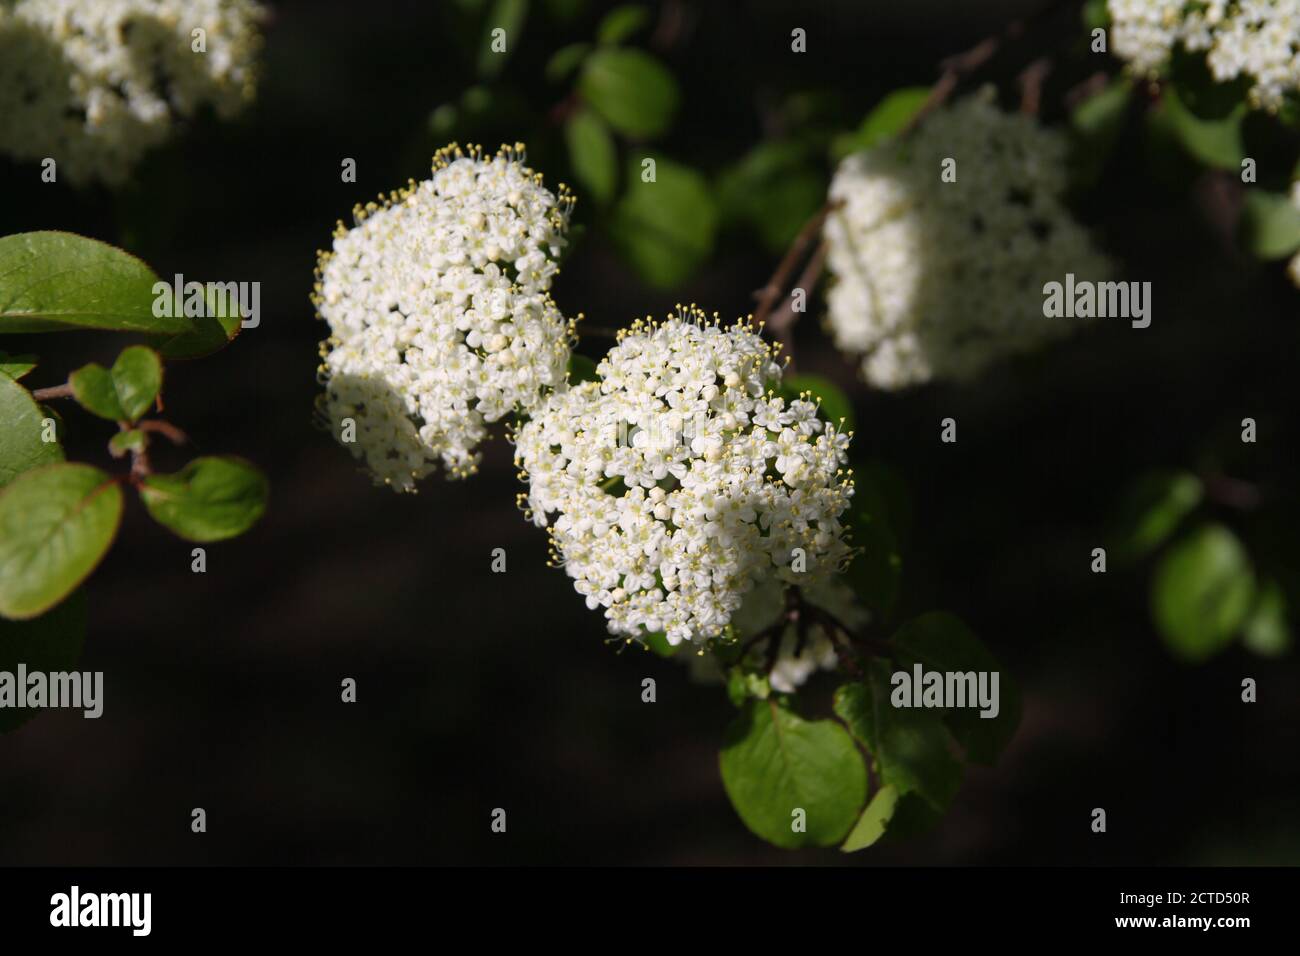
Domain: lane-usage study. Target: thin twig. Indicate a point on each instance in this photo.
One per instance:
(770, 293)
(166, 429)
(54, 391)
(782, 323)
(1031, 81)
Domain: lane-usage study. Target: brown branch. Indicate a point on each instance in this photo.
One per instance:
(782, 323)
(166, 429)
(770, 293)
(1031, 81)
(54, 391)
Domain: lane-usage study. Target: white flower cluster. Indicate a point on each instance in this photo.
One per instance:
(93, 84)
(679, 481)
(439, 314)
(1259, 39)
(934, 279)
(1293, 268)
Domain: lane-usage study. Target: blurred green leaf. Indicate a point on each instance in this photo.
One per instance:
(876, 570)
(1206, 116)
(942, 642)
(137, 378)
(743, 684)
(1270, 225)
(875, 818)
(507, 15)
(592, 154)
(1152, 510)
(1266, 632)
(16, 366)
(565, 60)
(665, 229)
(21, 433)
(621, 23)
(1096, 124)
(774, 190)
(50, 643)
(56, 524)
(210, 499)
(1203, 590)
(888, 118)
(633, 91)
(126, 441)
(1096, 14)
(774, 762)
(55, 281)
(581, 369)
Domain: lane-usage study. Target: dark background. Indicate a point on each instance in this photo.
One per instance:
(479, 690)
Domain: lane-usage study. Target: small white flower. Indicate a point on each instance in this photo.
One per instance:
(937, 280)
(671, 535)
(435, 333)
(93, 84)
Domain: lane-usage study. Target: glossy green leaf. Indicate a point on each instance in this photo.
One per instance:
(888, 118)
(631, 90)
(210, 499)
(1270, 225)
(875, 818)
(50, 643)
(1202, 593)
(592, 154)
(23, 433)
(92, 387)
(665, 229)
(774, 763)
(909, 744)
(16, 366)
(1152, 510)
(938, 641)
(137, 378)
(56, 524)
(53, 281)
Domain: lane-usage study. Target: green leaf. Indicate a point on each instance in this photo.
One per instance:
(910, 745)
(773, 191)
(210, 499)
(871, 825)
(92, 387)
(1152, 510)
(743, 684)
(876, 570)
(1266, 632)
(941, 642)
(507, 15)
(1096, 124)
(125, 441)
(665, 229)
(1270, 225)
(137, 378)
(592, 154)
(889, 117)
(565, 60)
(50, 643)
(1215, 141)
(1203, 590)
(53, 281)
(16, 366)
(621, 23)
(56, 524)
(22, 431)
(1096, 14)
(211, 332)
(836, 407)
(774, 762)
(581, 369)
(632, 90)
